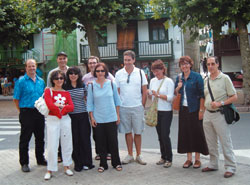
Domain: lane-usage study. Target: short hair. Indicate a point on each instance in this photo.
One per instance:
(77, 71)
(104, 67)
(158, 64)
(54, 75)
(187, 59)
(94, 57)
(62, 53)
(30, 60)
(215, 59)
(129, 53)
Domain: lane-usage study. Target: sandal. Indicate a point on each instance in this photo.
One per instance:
(197, 164)
(97, 157)
(161, 161)
(100, 169)
(167, 164)
(187, 164)
(118, 168)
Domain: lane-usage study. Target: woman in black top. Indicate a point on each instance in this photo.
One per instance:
(82, 153)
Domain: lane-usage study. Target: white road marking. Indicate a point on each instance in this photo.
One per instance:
(2, 139)
(10, 127)
(9, 123)
(7, 132)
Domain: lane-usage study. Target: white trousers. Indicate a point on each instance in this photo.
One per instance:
(216, 127)
(58, 129)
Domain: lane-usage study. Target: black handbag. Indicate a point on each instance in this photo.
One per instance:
(230, 112)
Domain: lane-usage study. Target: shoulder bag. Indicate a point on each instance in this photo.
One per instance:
(177, 100)
(230, 112)
(151, 115)
(41, 106)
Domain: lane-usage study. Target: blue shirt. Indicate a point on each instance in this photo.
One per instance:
(194, 90)
(103, 101)
(27, 91)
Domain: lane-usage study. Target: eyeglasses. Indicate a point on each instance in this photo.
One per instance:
(72, 73)
(211, 64)
(60, 78)
(184, 64)
(92, 63)
(98, 71)
(128, 78)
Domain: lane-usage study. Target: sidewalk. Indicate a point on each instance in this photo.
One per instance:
(132, 174)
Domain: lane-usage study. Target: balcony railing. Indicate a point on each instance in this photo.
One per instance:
(143, 50)
(17, 57)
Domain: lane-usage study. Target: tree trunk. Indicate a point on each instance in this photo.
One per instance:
(92, 39)
(245, 57)
(192, 49)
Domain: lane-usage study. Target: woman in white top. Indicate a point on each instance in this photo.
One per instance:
(165, 113)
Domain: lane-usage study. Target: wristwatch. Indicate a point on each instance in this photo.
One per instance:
(222, 103)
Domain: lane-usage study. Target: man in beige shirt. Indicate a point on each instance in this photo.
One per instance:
(214, 123)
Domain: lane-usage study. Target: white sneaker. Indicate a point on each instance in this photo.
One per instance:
(85, 167)
(69, 172)
(128, 159)
(140, 161)
(47, 176)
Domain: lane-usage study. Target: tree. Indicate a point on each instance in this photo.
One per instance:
(16, 20)
(216, 13)
(88, 15)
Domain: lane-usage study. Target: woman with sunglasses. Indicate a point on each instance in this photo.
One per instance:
(58, 124)
(103, 104)
(191, 136)
(82, 154)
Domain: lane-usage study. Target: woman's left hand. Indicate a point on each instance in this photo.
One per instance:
(118, 120)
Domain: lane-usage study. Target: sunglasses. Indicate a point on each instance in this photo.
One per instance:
(128, 78)
(98, 71)
(72, 73)
(60, 78)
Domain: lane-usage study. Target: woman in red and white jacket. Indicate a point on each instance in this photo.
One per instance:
(58, 124)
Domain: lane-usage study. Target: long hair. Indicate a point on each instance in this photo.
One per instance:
(77, 71)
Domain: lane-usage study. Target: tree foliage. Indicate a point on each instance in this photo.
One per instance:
(194, 14)
(91, 14)
(17, 22)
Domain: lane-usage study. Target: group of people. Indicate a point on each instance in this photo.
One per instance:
(111, 104)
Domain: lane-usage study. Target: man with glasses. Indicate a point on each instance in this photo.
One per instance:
(132, 86)
(88, 78)
(214, 123)
(29, 88)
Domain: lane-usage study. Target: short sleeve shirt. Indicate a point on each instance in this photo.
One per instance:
(27, 91)
(222, 88)
(130, 90)
(90, 78)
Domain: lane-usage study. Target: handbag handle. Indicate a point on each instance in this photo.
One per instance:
(161, 84)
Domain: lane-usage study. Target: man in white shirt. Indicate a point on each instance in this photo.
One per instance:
(132, 86)
(62, 60)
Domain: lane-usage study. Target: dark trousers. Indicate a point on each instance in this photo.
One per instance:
(94, 138)
(31, 122)
(82, 153)
(163, 131)
(106, 138)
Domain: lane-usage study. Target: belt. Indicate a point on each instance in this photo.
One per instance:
(213, 111)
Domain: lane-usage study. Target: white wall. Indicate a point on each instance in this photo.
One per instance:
(112, 33)
(143, 31)
(231, 63)
(175, 33)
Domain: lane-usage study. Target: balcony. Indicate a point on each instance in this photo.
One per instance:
(144, 50)
(16, 58)
(227, 46)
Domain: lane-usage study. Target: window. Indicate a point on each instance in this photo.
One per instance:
(157, 31)
(102, 36)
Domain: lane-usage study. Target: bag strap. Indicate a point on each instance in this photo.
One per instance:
(209, 89)
(161, 84)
